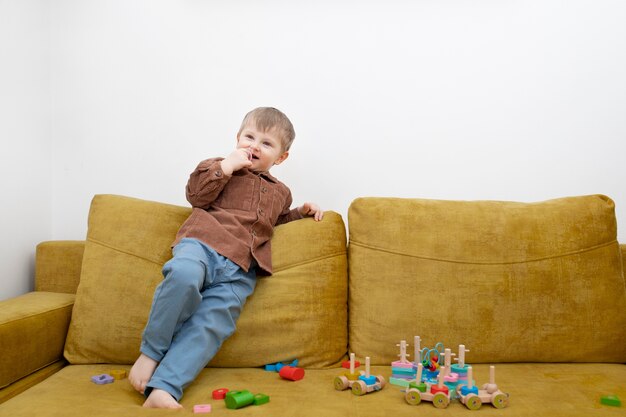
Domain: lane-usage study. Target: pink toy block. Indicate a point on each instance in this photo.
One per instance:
(202, 408)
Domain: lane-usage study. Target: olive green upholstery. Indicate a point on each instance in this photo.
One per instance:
(536, 289)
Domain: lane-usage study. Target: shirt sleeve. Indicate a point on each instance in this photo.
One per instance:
(289, 215)
(205, 183)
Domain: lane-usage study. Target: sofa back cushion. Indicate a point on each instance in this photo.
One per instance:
(513, 282)
(299, 312)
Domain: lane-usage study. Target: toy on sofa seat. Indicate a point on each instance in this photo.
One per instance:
(438, 394)
(345, 381)
(402, 370)
(364, 384)
(244, 398)
(473, 398)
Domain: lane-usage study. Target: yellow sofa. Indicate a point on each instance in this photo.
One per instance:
(536, 289)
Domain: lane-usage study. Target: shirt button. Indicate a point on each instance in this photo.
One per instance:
(264, 189)
(218, 173)
(261, 211)
(254, 233)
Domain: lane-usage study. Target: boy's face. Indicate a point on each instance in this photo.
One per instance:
(265, 148)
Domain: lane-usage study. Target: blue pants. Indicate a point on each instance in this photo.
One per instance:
(193, 311)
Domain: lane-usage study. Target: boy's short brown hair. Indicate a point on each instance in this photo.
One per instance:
(268, 118)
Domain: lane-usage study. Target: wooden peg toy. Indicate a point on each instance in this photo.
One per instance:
(474, 399)
(345, 381)
(438, 395)
(368, 383)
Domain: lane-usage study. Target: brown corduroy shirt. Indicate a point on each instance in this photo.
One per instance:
(236, 214)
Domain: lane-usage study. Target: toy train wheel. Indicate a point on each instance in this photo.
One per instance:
(473, 402)
(441, 400)
(359, 388)
(500, 400)
(412, 396)
(340, 383)
(381, 379)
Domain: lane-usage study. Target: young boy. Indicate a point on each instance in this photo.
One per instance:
(218, 252)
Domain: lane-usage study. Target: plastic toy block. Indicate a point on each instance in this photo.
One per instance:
(346, 364)
(102, 379)
(260, 399)
(202, 408)
(292, 373)
(611, 400)
(276, 367)
(238, 399)
(403, 371)
(118, 373)
(369, 380)
(352, 377)
(420, 386)
(405, 365)
(400, 382)
(219, 394)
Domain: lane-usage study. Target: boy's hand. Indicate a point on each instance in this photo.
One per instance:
(311, 210)
(239, 158)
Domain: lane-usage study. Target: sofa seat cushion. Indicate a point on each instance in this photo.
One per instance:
(534, 389)
(128, 241)
(513, 282)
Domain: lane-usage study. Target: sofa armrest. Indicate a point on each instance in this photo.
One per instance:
(623, 250)
(58, 264)
(33, 328)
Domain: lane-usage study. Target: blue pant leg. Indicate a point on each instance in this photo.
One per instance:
(201, 336)
(176, 298)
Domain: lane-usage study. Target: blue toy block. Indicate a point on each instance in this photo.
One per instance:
(371, 380)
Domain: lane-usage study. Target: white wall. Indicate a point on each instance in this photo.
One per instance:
(516, 100)
(25, 165)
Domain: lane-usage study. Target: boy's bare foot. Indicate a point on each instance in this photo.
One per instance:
(141, 372)
(161, 399)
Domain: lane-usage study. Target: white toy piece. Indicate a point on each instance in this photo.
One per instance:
(417, 341)
(403, 354)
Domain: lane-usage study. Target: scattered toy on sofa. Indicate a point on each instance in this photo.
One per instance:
(474, 398)
(364, 384)
(345, 380)
(290, 372)
(118, 373)
(202, 408)
(276, 367)
(243, 398)
(435, 374)
(102, 379)
(612, 400)
(438, 394)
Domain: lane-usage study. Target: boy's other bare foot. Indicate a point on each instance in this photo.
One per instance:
(161, 399)
(141, 372)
